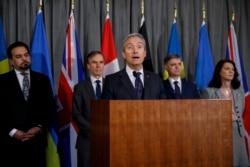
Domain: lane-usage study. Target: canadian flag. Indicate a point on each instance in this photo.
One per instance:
(108, 49)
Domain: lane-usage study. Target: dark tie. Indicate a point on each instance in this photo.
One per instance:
(25, 85)
(177, 90)
(138, 84)
(98, 89)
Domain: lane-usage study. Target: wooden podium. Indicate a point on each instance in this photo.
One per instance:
(161, 133)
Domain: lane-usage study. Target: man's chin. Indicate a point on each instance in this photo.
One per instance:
(25, 67)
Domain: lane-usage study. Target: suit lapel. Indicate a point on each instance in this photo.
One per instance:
(90, 89)
(15, 85)
(217, 93)
(185, 89)
(147, 83)
(127, 83)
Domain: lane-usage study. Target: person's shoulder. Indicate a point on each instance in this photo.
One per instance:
(239, 90)
(187, 82)
(7, 75)
(148, 73)
(115, 74)
(38, 75)
(84, 82)
(209, 89)
(35, 73)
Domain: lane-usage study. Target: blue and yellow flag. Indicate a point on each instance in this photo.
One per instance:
(4, 63)
(41, 63)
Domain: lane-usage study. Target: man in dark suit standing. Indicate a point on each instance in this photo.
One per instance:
(27, 104)
(133, 82)
(175, 87)
(83, 93)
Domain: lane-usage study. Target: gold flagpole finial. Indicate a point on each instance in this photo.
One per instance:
(175, 10)
(142, 7)
(72, 4)
(233, 14)
(203, 11)
(107, 5)
(40, 4)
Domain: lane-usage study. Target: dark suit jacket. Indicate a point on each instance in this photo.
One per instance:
(83, 93)
(22, 115)
(118, 86)
(189, 90)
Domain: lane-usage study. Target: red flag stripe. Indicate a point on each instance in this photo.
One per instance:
(108, 49)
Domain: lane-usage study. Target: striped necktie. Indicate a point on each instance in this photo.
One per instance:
(25, 85)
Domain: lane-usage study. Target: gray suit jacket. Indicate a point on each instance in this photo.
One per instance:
(83, 93)
(239, 103)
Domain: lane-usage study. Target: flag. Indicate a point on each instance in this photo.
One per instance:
(4, 63)
(108, 49)
(72, 72)
(174, 47)
(41, 63)
(233, 54)
(204, 60)
(147, 64)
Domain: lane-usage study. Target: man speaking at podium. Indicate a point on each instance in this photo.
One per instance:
(133, 82)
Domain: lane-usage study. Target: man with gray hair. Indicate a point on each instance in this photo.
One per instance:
(133, 82)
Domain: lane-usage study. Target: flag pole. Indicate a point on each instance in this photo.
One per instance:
(142, 7)
(40, 4)
(107, 6)
(175, 10)
(203, 11)
(233, 14)
(72, 5)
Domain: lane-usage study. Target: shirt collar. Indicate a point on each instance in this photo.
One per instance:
(172, 80)
(19, 72)
(130, 71)
(93, 79)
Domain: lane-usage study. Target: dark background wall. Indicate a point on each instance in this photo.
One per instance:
(19, 17)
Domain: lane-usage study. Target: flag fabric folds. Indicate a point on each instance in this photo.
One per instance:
(204, 61)
(4, 63)
(72, 72)
(233, 54)
(41, 63)
(147, 64)
(174, 47)
(108, 49)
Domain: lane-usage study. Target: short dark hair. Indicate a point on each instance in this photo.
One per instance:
(169, 57)
(14, 45)
(93, 53)
(216, 80)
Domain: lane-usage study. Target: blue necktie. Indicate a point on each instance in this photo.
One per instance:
(177, 90)
(98, 89)
(138, 84)
(25, 85)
